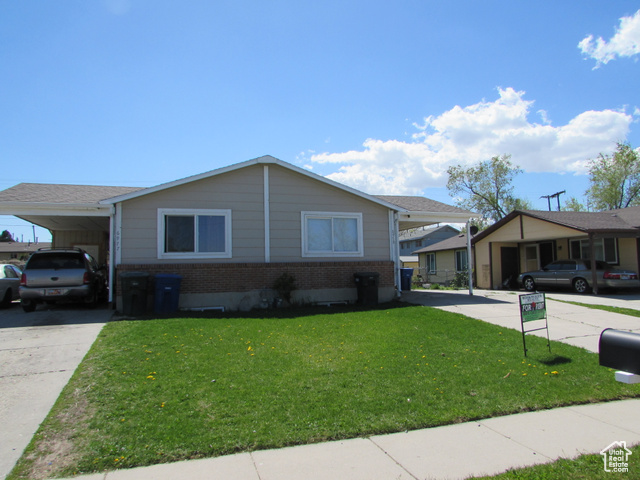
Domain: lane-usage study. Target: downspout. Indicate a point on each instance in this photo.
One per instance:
(469, 258)
(394, 248)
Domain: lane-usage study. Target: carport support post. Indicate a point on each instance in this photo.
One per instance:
(594, 274)
(469, 259)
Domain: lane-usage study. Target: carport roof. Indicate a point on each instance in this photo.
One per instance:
(616, 222)
(61, 194)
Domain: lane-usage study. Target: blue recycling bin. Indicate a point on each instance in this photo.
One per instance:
(406, 274)
(167, 293)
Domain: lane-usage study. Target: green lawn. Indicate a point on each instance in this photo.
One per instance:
(163, 390)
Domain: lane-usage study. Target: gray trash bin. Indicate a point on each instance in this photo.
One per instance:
(134, 292)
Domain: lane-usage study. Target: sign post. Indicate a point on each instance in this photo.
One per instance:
(533, 307)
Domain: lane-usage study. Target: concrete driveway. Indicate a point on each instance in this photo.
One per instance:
(576, 325)
(39, 352)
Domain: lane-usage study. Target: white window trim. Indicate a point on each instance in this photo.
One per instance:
(162, 214)
(455, 260)
(305, 215)
(427, 263)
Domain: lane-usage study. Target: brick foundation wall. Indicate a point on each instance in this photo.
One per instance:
(245, 277)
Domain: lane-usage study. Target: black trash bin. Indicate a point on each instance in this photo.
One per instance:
(406, 274)
(167, 295)
(134, 292)
(367, 286)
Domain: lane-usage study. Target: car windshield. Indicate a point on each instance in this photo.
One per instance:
(58, 261)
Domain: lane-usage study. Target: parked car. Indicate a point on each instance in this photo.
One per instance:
(9, 284)
(576, 274)
(70, 274)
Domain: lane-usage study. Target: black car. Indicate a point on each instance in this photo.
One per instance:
(61, 274)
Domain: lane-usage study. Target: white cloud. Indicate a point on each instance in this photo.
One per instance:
(625, 42)
(467, 135)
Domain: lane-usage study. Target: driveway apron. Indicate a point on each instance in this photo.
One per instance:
(39, 352)
(573, 324)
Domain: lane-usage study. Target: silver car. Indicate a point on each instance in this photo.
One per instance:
(65, 274)
(576, 274)
(9, 284)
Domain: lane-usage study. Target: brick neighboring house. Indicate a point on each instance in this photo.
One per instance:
(232, 231)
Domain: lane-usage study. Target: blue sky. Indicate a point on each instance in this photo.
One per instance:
(382, 96)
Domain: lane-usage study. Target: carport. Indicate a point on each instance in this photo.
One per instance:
(528, 240)
(72, 213)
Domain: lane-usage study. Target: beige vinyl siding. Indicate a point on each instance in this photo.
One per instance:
(292, 193)
(241, 191)
(628, 253)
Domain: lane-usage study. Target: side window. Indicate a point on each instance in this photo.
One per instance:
(431, 263)
(186, 233)
(9, 272)
(461, 260)
(326, 234)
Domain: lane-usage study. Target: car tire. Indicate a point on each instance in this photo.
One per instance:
(580, 285)
(6, 300)
(529, 284)
(28, 305)
(92, 300)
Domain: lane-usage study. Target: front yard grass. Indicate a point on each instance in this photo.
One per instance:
(163, 390)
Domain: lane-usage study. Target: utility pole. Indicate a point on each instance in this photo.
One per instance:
(556, 195)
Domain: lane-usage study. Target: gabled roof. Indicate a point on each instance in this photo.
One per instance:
(453, 243)
(40, 203)
(264, 160)
(623, 221)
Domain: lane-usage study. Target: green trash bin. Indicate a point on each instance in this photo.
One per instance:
(134, 293)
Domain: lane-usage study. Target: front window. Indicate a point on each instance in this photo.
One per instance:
(194, 233)
(332, 234)
(461, 260)
(605, 250)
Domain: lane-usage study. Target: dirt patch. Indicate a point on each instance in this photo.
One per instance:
(54, 449)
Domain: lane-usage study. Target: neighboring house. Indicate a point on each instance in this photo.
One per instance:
(230, 233)
(415, 239)
(19, 251)
(440, 262)
(529, 240)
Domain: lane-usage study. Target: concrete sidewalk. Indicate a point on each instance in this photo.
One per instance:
(485, 447)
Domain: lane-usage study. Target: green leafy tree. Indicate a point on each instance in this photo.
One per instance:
(5, 236)
(615, 179)
(573, 205)
(486, 188)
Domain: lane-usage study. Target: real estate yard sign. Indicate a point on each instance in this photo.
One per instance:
(533, 307)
